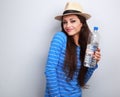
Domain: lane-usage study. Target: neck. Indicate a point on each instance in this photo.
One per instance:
(76, 38)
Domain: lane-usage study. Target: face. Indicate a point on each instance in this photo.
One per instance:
(72, 25)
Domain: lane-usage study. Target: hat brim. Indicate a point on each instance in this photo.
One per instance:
(87, 16)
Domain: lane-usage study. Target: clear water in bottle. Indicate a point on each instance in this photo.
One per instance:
(92, 46)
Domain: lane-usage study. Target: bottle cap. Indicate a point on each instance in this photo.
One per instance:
(95, 28)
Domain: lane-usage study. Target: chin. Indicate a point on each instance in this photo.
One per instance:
(70, 34)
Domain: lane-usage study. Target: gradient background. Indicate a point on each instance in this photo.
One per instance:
(26, 29)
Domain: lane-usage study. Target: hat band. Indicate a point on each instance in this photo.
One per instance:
(71, 11)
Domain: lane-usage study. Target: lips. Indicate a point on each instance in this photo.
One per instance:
(69, 30)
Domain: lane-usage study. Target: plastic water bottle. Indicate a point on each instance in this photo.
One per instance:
(93, 43)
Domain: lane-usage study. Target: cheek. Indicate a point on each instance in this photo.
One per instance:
(65, 28)
(79, 27)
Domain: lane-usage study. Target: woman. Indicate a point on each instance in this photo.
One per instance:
(65, 72)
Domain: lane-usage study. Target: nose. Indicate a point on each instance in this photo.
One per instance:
(68, 24)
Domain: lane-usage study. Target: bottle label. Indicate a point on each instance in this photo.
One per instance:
(89, 61)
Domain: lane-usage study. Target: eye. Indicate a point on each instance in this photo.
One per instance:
(64, 22)
(72, 21)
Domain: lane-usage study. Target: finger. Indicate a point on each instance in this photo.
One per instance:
(98, 49)
(97, 55)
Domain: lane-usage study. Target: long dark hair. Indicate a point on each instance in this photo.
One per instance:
(71, 54)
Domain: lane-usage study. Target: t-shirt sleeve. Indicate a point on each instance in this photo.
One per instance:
(90, 72)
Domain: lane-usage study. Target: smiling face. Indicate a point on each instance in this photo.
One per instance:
(72, 25)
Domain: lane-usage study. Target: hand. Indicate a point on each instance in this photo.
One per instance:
(97, 55)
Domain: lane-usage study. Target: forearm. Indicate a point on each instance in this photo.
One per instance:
(51, 76)
(89, 73)
(52, 84)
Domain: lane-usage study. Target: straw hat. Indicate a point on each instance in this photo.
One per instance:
(73, 8)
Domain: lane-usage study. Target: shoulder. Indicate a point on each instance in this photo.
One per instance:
(58, 41)
(60, 36)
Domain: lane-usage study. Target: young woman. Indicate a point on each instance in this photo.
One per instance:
(65, 72)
